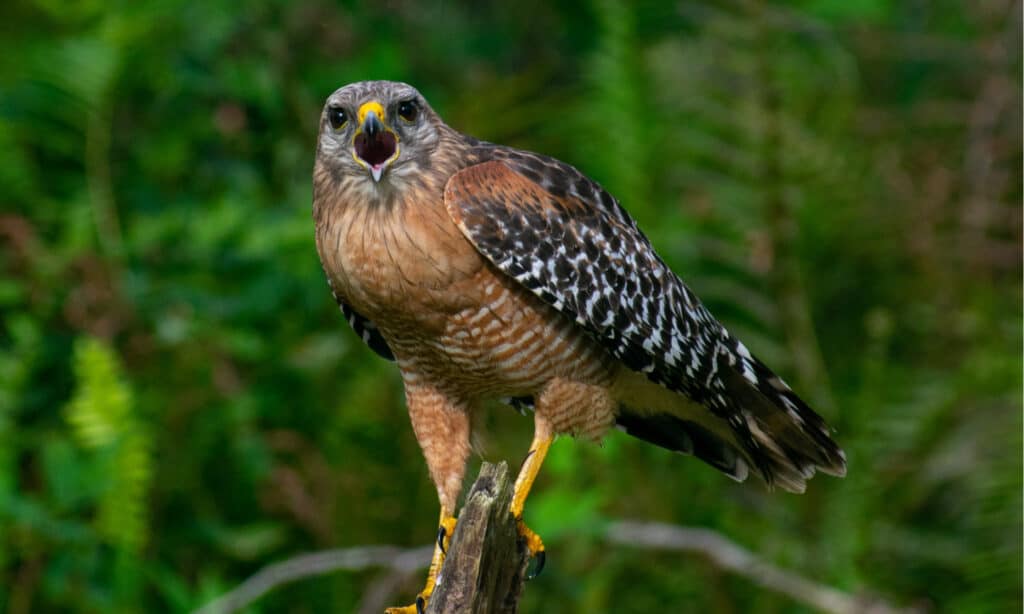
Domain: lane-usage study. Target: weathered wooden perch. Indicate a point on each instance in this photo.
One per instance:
(486, 563)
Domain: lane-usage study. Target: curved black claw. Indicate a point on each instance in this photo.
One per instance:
(421, 604)
(540, 558)
(441, 533)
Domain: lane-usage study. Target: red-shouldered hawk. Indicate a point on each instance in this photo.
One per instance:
(485, 272)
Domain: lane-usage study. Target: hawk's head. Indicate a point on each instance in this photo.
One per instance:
(381, 131)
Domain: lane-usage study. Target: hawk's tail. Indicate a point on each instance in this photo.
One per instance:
(766, 427)
(783, 437)
(686, 437)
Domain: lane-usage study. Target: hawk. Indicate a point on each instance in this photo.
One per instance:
(485, 272)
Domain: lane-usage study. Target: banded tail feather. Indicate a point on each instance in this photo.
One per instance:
(685, 437)
(769, 428)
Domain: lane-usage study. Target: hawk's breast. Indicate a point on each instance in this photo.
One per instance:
(396, 263)
(503, 342)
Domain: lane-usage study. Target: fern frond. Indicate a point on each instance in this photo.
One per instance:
(101, 415)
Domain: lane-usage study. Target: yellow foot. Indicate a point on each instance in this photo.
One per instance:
(534, 544)
(417, 608)
(444, 539)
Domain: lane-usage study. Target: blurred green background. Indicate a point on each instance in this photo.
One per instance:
(181, 402)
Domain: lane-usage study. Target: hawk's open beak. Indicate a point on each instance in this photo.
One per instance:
(375, 145)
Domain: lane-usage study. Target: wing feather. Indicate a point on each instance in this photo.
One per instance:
(569, 242)
(363, 326)
(367, 331)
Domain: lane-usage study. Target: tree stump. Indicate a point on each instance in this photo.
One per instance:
(486, 563)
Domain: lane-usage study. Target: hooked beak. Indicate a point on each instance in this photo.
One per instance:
(375, 146)
(372, 126)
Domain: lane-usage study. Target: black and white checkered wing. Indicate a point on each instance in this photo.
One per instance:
(568, 241)
(363, 326)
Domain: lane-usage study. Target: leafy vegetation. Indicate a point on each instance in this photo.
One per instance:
(181, 403)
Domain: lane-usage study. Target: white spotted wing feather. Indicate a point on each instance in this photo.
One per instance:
(569, 242)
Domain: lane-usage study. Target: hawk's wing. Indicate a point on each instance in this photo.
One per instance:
(569, 242)
(364, 327)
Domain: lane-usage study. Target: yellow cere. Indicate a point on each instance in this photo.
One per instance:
(374, 106)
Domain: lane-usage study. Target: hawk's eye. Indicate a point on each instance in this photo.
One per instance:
(408, 110)
(337, 117)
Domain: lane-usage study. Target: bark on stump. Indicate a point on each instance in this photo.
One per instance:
(486, 563)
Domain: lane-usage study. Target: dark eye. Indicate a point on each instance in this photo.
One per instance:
(408, 110)
(337, 117)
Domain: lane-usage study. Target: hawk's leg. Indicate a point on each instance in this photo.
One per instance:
(442, 429)
(542, 439)
(563, 406)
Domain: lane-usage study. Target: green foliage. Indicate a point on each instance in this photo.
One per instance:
(180, 402)
(101, 415)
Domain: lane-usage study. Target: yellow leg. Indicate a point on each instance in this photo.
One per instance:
(524, 482)
(446, 526)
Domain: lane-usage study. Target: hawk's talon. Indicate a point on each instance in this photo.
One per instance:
(540, 558)
(440, 539)
(534, 545)
(419, 607)
(445, 532)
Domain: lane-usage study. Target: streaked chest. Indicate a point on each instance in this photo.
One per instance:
(399, 265)
(503, 342)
